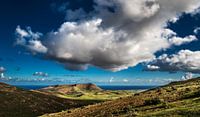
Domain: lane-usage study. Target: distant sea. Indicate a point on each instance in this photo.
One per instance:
(105, 87)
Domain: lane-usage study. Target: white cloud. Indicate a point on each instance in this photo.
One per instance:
(184, 60)
(174, 20)
(187, 76)
(125, 80)
(153, 67)
(30, 40)
(115, 39)
(2, 69)
(2, 75)
(22, 33)
(175, 40)
(41, 74)
(180, 41)
(36, 46)
(111, 79)
(197, 30)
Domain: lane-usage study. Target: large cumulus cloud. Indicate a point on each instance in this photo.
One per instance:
(118, 34)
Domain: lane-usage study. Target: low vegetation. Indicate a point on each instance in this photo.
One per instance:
(87, 100)
(17, 102)
(179, 99)
(85, 92)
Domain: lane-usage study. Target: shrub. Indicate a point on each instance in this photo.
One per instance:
(153, 101)
(173, 88)
(192, 95)
(187, 89)
(68, 111)
(127, 109)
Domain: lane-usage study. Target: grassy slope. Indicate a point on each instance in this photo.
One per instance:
(176, 99)
(79, 92)
(16, 102)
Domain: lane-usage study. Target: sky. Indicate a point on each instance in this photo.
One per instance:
(107, 42)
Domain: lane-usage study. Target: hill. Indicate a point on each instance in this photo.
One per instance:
(68, 89)
(17, 102)
(175, 99)
(84, 92)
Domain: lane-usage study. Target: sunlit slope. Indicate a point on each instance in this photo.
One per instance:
(176, 99)
(84, 92)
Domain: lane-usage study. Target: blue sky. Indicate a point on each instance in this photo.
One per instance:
(47, 16)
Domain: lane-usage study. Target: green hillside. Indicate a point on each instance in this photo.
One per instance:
(178, 99)
(84, 92)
